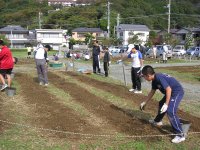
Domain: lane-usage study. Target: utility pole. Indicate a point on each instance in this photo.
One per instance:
(108, 27)
(11, 37)
(118, 22)
(39, 20)
(169, 13)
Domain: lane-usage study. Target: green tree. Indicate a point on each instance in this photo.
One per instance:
(134, 39)
(88, 38)
(6, 41)
(189, 40)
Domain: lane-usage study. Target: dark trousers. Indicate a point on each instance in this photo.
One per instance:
(171, 112)
(96, 64)
(106, 67)
(135, 77)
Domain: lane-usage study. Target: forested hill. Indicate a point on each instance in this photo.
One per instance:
(153, 13)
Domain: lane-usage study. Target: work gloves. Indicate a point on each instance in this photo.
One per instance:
(164, 108)
(142, 106)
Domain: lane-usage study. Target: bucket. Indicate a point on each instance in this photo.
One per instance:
(10, 91)
(185, 126)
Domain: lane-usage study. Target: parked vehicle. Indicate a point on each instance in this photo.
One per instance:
(159, 51)
(179, 50)
(123, 48)
(149, 53)
(194, 51)
(197, 51)
(190, 51)
(114, 49)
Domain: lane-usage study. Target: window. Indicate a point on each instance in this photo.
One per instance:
(49, 35)
(141, 34)
(80, 35)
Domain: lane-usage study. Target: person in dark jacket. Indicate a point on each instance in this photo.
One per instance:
(96, 58)
(106, 60)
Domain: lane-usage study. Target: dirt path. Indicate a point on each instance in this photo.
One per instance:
(136, 99)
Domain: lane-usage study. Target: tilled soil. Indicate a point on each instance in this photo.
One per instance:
(53, 115)
(119, 120)
(136, 99)
(50, 113)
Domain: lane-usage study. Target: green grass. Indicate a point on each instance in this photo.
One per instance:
(22, 53)
(181, 76)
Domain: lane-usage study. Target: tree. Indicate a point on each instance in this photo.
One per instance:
(134, 39)
(189, 40)
(6, 41)
(72, 42)
(88, 38)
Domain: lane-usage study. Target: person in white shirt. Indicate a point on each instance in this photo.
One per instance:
(41, 64)
(165, 51)
(136, 68)
(154, 49)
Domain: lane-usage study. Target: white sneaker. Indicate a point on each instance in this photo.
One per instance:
(151, 121)
(4, 86)
(178, 139)
(138, 92)
(41, 83)
(132, 90)
(46, 84)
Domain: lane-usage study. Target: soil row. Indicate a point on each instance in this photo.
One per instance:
(136, 99)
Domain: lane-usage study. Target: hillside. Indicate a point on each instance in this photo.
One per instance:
(184, 13)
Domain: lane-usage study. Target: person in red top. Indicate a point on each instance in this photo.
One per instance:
(6, 65)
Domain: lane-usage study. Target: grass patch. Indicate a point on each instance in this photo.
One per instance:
(183, 77)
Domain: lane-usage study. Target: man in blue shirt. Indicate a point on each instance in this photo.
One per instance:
(173, 94)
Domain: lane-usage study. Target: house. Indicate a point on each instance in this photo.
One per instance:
(126, 31)
(79, 33)
(19, 37)
(181, 34)
(53, 37)
(69, 3)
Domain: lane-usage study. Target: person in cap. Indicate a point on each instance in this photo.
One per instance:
(173, 94)
(6, 65)
(40, 61)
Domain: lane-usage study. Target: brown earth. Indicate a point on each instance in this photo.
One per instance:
(53, 115)
(136, 99)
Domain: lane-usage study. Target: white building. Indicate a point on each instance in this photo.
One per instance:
(126, 31)
(53, 37)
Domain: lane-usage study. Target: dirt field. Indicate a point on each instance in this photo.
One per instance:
(103, 118)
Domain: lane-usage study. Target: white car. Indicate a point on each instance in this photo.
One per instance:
(114, 49)
(179, 50)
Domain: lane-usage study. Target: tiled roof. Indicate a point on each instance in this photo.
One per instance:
(134, 27)
(14, 29)
(87, 30)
